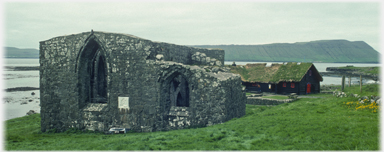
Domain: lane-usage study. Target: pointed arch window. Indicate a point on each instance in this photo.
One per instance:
(179, 91)
(92, 74)
(99, 81)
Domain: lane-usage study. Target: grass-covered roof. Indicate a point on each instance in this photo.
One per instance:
(290, 72)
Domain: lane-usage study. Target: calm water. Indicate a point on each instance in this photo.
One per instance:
(21, 62)
(11, 79)
(14, 79)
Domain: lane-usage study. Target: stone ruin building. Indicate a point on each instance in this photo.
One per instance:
(99, 80)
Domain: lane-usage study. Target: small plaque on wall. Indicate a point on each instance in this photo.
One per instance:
(124, 102)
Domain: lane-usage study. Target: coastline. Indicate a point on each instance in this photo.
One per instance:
(21, 89)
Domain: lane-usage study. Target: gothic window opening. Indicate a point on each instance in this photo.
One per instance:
(179, 92)
(92, 74)
(179, 100)
(98, 81)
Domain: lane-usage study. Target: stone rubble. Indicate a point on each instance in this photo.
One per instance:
(362, 99)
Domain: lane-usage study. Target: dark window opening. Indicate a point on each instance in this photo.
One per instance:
(310, 72)
(179, 91)
(180, 101)
(92, 75)
(98, 82)
(284, 84)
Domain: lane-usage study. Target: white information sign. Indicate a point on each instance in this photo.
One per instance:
(124, 102)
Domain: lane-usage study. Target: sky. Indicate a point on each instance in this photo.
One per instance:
(25, 24)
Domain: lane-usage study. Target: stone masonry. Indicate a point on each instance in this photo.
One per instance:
(99, 80)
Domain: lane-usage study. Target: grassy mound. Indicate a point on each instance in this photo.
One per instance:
(306, 124)
(368, 70)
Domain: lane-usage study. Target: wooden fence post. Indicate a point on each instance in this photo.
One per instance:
(350, 81)
(361, 84)
(342, 83)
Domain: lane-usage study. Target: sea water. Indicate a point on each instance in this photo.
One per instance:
(14, 79)
(12, 101)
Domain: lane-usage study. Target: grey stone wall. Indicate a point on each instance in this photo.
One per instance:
(72, 68)
(183, 54)
(265, 101)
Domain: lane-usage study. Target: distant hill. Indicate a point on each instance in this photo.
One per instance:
(12, 52)
(313, 51)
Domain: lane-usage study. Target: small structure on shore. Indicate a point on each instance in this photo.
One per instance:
(276, 78)
(98, 81)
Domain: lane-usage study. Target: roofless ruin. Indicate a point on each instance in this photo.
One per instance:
(99, 81)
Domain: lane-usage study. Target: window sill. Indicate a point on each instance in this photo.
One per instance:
(96, 107)
(179, 111)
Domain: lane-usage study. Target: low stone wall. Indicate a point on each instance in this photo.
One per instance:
(265, 101)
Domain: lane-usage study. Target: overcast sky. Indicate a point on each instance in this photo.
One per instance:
(195, 23)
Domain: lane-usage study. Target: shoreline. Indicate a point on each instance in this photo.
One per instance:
(19, 103)
(21, 89)
(22, 68)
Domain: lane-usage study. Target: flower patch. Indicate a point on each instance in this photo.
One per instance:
(363, 104)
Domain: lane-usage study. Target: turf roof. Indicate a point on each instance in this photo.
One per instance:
(290, 72)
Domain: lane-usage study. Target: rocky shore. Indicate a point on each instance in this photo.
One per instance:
(22, 68)
(19, 103)
(351, 71)
(21, 89)
(21, 94)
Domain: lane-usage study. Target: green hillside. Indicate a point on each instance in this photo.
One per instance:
(12, 52)
(313, 51)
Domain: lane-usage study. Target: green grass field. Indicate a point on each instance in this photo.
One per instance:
(306, 124)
